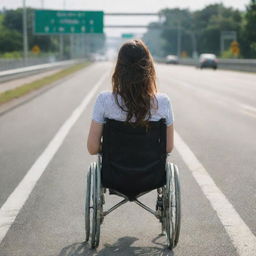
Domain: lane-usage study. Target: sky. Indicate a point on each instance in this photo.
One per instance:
(122, 6)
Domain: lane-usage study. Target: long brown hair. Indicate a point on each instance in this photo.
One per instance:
(134, 79)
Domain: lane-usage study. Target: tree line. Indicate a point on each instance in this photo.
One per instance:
(179, 30)
(11, 33)
(11, 37)
(185, 30)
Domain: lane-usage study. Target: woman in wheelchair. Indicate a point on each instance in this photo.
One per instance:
(132, 131)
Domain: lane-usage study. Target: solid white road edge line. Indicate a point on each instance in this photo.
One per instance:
(248, 108)
(11, 208)
(219, 98)
(248, 113)
(241, 236)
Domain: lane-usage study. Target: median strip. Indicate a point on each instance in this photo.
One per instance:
(29, 87)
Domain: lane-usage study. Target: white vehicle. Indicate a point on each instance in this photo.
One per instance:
(208, 60)
(172, 59)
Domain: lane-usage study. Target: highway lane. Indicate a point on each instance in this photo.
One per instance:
(218, 132)
(26, 131)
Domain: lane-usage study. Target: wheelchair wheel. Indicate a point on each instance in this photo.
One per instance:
(172, 209)
(93, 206)
(87, 206)
(178, 205)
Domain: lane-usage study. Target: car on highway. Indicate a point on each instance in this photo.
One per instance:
(172, 59)
(208, 60)
(98, 57)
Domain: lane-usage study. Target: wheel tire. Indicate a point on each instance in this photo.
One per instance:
(97, 206)
(87, 206)
(167, 224)
(172, 208)
(178, 205)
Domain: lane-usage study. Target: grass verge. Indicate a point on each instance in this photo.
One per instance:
(29, 87)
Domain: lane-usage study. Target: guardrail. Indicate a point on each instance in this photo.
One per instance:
(238, 64)
(6, 64)
(21, 72)
(248, 65)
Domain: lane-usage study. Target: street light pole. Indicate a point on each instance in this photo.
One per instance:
(178, 39)
(61, 37)
(25, 34)
(194, 44)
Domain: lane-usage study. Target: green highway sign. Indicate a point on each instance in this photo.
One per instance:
(68, 22)
(127, 35)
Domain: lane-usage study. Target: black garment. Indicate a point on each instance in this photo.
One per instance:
(134, 157)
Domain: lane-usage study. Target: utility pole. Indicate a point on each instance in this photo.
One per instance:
(194, 44)
(25, 34)
(62, 37)
(42, 4)
(178, 39)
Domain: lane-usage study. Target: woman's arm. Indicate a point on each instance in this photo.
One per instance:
(94, 138)
(169, 138)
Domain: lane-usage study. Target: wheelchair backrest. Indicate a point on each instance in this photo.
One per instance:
(134, 157)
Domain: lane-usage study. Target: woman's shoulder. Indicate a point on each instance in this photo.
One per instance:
(162, 98)
(105, 94)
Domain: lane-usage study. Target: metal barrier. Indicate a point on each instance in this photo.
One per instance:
(248, 65)
(6, 64)
(21, 72)
(238, 64)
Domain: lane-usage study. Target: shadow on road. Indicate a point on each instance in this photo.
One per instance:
(123, 247)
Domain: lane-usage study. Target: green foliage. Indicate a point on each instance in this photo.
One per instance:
(219, 18)
(10, 40)
(249, 31)
(12, 55)
(11, 33)
(177, 20)
(11, 29)
(227, 54)
(13, 19)
(153, 40)
(1, 20)
(205, 25)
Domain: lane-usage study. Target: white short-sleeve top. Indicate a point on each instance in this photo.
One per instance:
(106, 107)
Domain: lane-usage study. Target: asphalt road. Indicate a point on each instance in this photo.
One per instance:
(215, 117)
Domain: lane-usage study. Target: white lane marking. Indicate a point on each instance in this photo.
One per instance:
(247, 107)
(248, 113)
(241, 236)
(220, 99)
(19, 196)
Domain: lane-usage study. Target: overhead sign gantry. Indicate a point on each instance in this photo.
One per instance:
(68, 22)
(78, 22)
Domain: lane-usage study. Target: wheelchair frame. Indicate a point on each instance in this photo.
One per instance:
(168, 208)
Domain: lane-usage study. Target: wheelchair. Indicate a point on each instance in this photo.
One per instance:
(133, 162)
